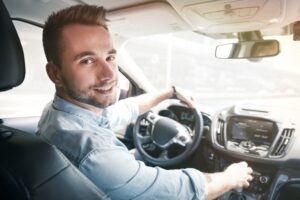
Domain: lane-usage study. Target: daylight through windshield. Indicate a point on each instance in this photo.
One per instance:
(187, 60)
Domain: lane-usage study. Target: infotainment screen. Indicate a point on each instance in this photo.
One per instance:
(258, 131)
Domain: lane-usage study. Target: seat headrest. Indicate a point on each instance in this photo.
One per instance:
(12, 64)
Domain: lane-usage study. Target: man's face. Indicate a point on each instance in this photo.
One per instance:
(88, 71)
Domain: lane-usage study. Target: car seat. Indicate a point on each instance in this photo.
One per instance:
(29, 167)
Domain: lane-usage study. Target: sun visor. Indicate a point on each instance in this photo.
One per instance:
(146, 19)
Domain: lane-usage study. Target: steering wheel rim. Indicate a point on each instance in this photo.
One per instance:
(163, 159)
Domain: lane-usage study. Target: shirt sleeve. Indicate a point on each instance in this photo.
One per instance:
(122, 113)
(119, 175)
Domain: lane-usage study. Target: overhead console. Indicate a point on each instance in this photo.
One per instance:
(229, 16)
(252, 131)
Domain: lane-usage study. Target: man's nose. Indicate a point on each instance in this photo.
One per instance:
(106, 71)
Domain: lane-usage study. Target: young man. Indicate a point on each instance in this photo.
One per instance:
(79, 121)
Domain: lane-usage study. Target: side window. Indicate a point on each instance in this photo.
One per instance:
(29, 98)
(124, 85)
(127, 86)
(36, 91)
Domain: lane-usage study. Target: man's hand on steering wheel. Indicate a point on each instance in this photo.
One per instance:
(184, 96)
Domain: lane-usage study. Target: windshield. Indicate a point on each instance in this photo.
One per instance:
(187, 60)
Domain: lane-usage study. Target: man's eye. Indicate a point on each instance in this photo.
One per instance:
(86, 61)
(111, 58)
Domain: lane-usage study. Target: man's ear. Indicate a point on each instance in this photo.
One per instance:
(53, 73)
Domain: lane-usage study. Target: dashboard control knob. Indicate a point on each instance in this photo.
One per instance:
(263, 179)
(211, 156)
(247, 144)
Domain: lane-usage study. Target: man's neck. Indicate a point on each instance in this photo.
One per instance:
(89, 107)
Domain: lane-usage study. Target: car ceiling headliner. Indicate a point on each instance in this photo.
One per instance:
(128, 18)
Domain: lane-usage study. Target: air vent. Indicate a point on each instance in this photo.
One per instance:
(282, 143)
(220, 132)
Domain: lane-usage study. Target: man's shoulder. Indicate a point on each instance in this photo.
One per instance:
(76, 142)
(63, 126)
(55, 119)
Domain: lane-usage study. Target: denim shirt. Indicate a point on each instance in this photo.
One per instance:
(88, 141)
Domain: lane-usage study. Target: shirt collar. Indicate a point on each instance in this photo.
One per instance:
(68, 107)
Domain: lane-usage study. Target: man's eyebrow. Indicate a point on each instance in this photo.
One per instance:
(82, 54)
(113, 51)
(90, 53)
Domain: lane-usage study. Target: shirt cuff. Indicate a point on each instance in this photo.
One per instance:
(199, 182)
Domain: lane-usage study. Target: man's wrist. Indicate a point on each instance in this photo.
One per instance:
(230, 183)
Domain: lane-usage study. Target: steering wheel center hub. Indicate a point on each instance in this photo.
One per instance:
(164, 130)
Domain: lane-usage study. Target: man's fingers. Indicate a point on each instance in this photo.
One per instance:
(244, 163)
(249, 178)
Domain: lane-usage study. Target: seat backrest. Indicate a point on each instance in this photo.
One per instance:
(12, 64)
(33, 169)
(288, 191)
(29, 167)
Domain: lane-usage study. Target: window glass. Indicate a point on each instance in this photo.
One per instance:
(187, 60)
(36, 91)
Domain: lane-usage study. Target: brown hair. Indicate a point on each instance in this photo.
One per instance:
(78, 14)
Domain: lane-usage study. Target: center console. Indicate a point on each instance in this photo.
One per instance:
(252, 133)
(256, 135)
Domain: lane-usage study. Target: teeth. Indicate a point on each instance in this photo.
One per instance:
(103, 90)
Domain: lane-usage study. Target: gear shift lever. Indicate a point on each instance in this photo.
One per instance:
(239, 190)
(237, 194)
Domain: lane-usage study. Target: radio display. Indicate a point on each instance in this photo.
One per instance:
(258, 131)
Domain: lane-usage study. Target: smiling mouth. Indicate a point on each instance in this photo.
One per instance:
(104, 91)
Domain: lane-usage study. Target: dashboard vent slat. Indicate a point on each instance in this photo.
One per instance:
(282, 143)
(220, 132)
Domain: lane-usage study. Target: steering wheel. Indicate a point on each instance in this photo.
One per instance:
(161, 133)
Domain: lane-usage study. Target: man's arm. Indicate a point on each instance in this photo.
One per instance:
(148, 100)
(116, 171)
(235, 176)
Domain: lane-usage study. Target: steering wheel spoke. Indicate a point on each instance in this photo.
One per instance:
(164, 155)
(145, 139)
(179, 142)
(151, 118)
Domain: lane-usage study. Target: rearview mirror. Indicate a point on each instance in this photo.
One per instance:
(248, 49)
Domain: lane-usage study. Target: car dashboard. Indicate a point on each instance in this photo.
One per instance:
(264, 137)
